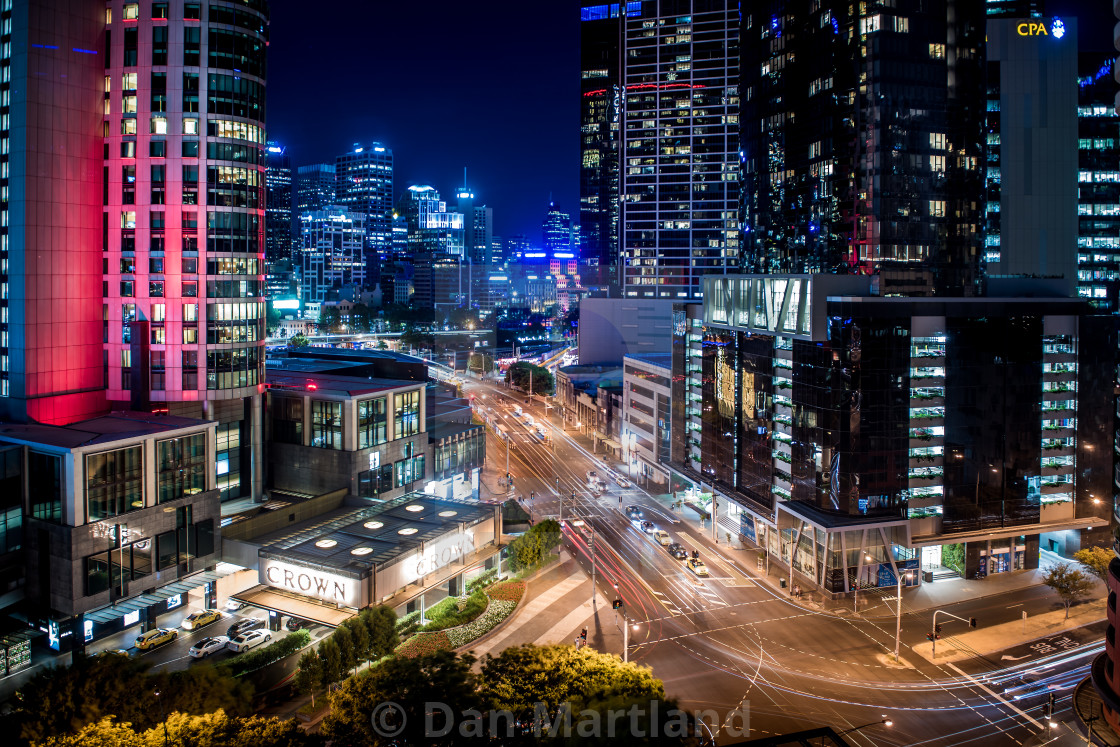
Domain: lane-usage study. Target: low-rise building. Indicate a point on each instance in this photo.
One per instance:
(646, 415)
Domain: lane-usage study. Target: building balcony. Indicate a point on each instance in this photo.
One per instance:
(1051, 512)
(926, 422)
(1056, 487)
(1059, 357)
(783, 354)
(932, 400)
(918, 361)
(925, 481)
(1059, 376)
(783, 428)
(783, 448)
(927, 461)
(1056, 469)
(925, 526)
(1051, 431)
(1056, 451)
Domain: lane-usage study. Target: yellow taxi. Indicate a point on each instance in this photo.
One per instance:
(157, 637)
(201, 619)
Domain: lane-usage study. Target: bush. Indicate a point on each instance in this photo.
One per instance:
(449, 615)
(408, 624)
(531, 549)
(258, 658)
(497, 612)
(482, 581)
(507, 591)
(424, 644)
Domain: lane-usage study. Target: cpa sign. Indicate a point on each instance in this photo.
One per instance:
(329, 587)
(1056, 29)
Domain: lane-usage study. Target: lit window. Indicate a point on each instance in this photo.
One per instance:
(190, 126)
(128, 219)
(128, 82)
(159, 312)
(937, 208)
(159, 125)
(128, 126)
(131, 11)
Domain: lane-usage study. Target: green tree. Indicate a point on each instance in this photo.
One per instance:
(345, 642)
(359, 634)
(414, 337)
(440, 678)
(332, 661)
(299, 340)
(272, 318)
(329, 319)
(1068, 583)
(518, 376)
(309, 676)
(360, 318)
(381, 622)
(103, 733)
(532, 547)
(1095, 560)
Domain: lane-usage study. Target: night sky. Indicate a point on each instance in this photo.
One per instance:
(492, 86)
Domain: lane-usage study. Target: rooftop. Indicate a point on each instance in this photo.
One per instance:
(359, 538)
(333, 384)
(116, 426)
(662, 360)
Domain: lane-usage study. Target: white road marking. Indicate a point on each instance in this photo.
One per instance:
(994, 694)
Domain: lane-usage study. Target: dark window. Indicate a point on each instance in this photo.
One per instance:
(192, 44)
(190, 93)
(182, 467)
(159, 45)
(190, 149)
(159, 86)
(157, 148)
(192, 11)
(114, 482)
(44, 477)
(167, 550)
(159, 10)
(409, 471)
(204, 538)
(190, 265)
(287, 420)
(155, 289)
(141, 558)
(372, 421)
(372, 483)
(326, 424)
(97, 574)
(130, 36)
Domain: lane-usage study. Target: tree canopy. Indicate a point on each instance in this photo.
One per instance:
(209, 730)
(518, 375)
(533, 546)
(1095, 560)
(1068, 583)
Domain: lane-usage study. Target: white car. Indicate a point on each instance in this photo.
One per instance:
(208, 646)
(621, 481)
(232, 605)
(661, 537)
(249, 640)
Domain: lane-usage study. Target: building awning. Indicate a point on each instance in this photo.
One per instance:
(930, 540)
(296, 605)
(158, 596)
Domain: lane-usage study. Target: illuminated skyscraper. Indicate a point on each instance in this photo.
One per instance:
(314, 187)
(364, 184)
(556, 230)
(863, 142)
(278, 204)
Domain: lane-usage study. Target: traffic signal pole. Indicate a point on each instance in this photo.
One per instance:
(933, 634)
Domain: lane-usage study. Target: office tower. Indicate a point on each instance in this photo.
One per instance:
(863, 152)
(184, 220)
(314, 187)
(50, 216)
(435, 249)
(1032, 140)
(478, 227)
(332, 254)
(515, 247)
(600, 106)
(679, 168)
(1098, 187)
(1012, 8)
(556, 230)
(278, 203)
(364, 184)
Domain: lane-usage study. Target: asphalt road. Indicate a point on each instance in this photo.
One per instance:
(730, 644)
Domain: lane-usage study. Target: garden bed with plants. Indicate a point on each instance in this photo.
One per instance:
(448, 631)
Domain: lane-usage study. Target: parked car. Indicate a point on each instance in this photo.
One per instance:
(696, 565)
(677, 550)
(208, 646)
(113, 652)
(246, 641)
(647, 527)
(157, 637)
(232, 605)
(295, 623)
(201, 619)
(244, 626)
(661, 537)
(634, 513)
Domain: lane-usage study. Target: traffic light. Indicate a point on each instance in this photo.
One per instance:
(929, 636)
(617, 604)
(937, 631)
(972, 622)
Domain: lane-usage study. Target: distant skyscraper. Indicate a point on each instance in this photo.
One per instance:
(478, 226)
(863, 152)
(435, 248)
(314, 187)
(364, 184)
(556, 230)
(331, 253)
(515, 246)
(1032, 139)
(679, 193)
(600, 107)
(1098, 209)
(278, 203)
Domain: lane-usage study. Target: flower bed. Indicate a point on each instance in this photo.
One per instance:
(424, 644)
(507, 591)
(497, 611)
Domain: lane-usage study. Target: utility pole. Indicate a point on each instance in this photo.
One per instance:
(715, 516)
(593, 602)
(625, 639)
(508, 436)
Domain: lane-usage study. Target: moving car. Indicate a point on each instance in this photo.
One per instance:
(197, 620)
(677, 550)
(647, 527)
(207, 646)
(528, 420)
(232, 605)
(592, 476)
(157, 637)
(249, 640)
(661, 537)
(244, 626)
(634, 513)
(621, 481)
(696, 565)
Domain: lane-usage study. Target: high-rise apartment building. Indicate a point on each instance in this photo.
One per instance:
(51, 250)
(332, 253)
(556, 230)
(1032, 149)
(278, 203)
(679, 167)
(478, 227)
(601, 39)
(364, 184)
(314, 187)
(863, 151)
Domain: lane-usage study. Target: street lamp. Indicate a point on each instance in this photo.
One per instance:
(855, 597)
(163, 718)
(898, 614)
(884, 721)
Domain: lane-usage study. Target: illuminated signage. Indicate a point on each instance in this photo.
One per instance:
(1056, 29)
(286, 303)
(174, 601)
(329, 587)
(375, 460)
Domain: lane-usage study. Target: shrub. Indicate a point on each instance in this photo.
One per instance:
(450, 616)
(507, 591)
(497, 611)
(482, 581)
(250, 661)
(424, 644)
